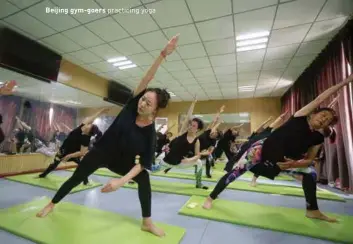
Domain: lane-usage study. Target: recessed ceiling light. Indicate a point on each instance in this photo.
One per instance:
(252, 42)
(246, 88)
(1, 83)
(253, 47)
(117, 59)
(252, 35)
(128, 66)
(122, 63)
(284, 83)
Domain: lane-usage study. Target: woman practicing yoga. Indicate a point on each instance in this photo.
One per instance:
(163, 139)
(208, 141)
(224, 145)
(260, 133)
(327, 132)
(284, 148)
(181, 148)
(76, 144)
(128, 146)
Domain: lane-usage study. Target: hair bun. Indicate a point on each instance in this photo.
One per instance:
(165, 97)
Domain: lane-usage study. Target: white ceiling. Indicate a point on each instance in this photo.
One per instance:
(205, 62)
(54, 92)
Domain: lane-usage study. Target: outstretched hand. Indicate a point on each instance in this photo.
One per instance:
(112, 185)
(171, 46)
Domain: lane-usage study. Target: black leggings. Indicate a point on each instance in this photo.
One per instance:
(237, 156)
(57, 159)
(90, 163)
(308, 184)
(208, 166)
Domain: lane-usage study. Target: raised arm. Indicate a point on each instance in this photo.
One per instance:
(67, 127)
(90, 119)
(334, 101)
(216, 118)
(263, 124)
(306, 110)
(215, 127)
(153, 69)
(22, 125)
(237, 126)
(169, 128)
(187, 118)
(278, 122)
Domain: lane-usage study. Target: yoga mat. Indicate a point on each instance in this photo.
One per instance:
(282, 190)
(216, 175)
(190, 189)
(220, 166)
(52, 182)
(282, 219)
(103, 172)
(72, 223)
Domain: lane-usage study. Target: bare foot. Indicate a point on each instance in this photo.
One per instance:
(153, 229)
(316, 214)
(253, 184)
(46, 210)
(208, 203)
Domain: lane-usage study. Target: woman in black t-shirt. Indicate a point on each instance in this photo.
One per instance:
(225, 144)
(283, 150)
(207, 141)
(127, 147)
(178, 152)
(326, 132)
(75, 146)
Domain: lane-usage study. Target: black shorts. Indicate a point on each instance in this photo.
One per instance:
(266, 169)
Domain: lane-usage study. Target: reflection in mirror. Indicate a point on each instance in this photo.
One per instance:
(228, 120)
(39, 115)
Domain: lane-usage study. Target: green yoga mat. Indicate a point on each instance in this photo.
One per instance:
(216, 175)
(190, 189)
(72, 223)
(282, 219)
(220, 166)
(52, 182)
(102, 172)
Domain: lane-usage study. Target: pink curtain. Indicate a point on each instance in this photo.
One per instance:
(9, 109)
(38, 118)
(328, 69)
